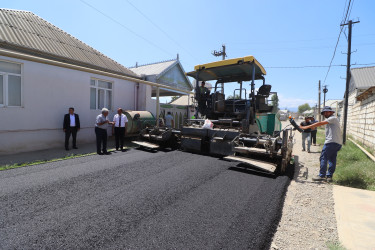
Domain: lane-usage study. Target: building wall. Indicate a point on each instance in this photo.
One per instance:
(361, 120)
(48, 92)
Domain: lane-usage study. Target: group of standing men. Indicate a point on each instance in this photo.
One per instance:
(72, 125)
(308, 135)
(332, 144)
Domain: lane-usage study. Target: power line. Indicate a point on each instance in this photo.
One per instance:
(302, 67)
(315, 66)
(343, 12)
(350, 11)
(363, 64)
(128, 29)
(159, 28)
(347, 11)
(337, 43)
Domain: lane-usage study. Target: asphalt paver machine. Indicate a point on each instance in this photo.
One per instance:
(241, 128)
(244, 128)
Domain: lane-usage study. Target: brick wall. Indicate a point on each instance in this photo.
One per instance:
(361, 120)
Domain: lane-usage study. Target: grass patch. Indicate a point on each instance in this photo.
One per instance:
(19, 165)
(72, 156)
(335, 246)
(354, 168)
(320, 136)
(370, 150)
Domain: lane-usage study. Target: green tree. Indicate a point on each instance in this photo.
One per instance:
(275, 103)
(302, 108)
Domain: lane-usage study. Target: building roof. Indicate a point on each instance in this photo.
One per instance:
(170, 73)
(25, 32)
(184, 100)
(153, 68)
(362, 78)
(366, 94)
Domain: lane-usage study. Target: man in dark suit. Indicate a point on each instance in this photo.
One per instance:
(71, 126)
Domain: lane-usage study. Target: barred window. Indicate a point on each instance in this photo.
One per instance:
(10, 84)
(100, 94)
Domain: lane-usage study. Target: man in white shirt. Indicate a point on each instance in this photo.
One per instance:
(331, 146)
(71, 126)
(169, 120)
(120, 122)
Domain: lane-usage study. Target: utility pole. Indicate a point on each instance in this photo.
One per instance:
(319, 115)
(350, 23)
(220, 53)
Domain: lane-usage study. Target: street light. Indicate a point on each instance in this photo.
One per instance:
(325, 90)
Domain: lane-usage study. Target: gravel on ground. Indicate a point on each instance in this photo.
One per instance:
(308, 218)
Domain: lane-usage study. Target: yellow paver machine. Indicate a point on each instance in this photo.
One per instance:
(240, 128)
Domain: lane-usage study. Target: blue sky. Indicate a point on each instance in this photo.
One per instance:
(278, 33)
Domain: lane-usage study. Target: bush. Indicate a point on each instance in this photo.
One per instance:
(354, 168)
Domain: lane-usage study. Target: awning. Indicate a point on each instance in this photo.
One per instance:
(231, 70)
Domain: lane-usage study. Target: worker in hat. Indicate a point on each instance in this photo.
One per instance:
(101, 126)
(332, 144)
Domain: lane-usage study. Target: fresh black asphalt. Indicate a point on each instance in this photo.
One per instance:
(139, 200)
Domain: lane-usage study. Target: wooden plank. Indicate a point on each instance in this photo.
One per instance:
(364, 150)
(267, 166)
(146, 144)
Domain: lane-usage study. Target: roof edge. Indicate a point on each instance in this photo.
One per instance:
(16, 10)
(49, 56)
(13, 54)
(147, 64)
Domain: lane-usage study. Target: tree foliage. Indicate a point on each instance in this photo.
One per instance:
(275, 103)
(302, 108)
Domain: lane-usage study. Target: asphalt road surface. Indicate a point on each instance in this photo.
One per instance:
(139, 200)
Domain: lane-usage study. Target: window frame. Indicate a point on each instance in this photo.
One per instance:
(97, 88)
(6, 85)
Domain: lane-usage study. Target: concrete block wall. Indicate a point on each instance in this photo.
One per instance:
(361, 120)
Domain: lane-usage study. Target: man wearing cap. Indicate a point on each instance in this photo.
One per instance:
(331, 146)
(101, 125)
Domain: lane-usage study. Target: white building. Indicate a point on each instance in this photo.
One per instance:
(169, 73)
(361, 106)
(44, 71)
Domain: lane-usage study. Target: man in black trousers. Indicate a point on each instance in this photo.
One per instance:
(71, 126)
(120, 122)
